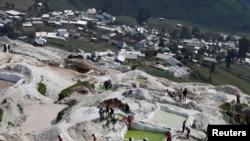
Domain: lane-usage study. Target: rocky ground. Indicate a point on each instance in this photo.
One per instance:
(30, 116)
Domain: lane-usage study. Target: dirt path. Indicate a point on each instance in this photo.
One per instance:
(5, 84)
(39, 116)
(4, 58)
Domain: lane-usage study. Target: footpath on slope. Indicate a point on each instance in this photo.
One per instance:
(39, 116)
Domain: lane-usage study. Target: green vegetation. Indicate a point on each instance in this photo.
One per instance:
(140, 80)
(20, 108)
(80, 44)
(239, 71)
(68, 91)
(170, 24)
(160, 73)
(236, 76)
(65, 110)
(42, 88)
(17, 4)
(213, 13)
(62, 5)
(218, 13)
(1, 114)
(11, 124)
(127, 20)
(62, 113)
(140, 134)
(228, 113)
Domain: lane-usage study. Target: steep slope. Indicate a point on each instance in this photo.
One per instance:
(222, 13)
(17, 4)
(212, 12)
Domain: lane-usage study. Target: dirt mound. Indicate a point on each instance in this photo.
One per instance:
(79, 65)
(112, 102)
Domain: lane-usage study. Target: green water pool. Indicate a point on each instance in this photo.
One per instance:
(140, 80)
(168, 119)
(140, 134)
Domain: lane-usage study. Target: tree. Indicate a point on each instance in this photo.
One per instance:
(243, 48)
(12, 6)
(163, 30)
(91, 25)
(143, 15)
(7, 30)
(228, 60)
(150, 53)
(162, 42)
(174, 33)
(212, 67)
(184, 32)
(195, 31)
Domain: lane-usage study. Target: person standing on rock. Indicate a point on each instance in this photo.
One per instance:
(4, 48)
(94, 137)
(188, 132)
(114, 120)
(107, 109)
(127, 109)
(9, 48)
(183, 126)
(129, 118)
(101, 113)
(207, 131)
(131, 139)
(169, 136)
(238, 98)
(184, 94)
(111, 112)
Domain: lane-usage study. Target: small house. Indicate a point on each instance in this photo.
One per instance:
(40, 41)
(121, 44)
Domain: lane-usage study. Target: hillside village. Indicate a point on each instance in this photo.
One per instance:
(75, 91)
(132, 42)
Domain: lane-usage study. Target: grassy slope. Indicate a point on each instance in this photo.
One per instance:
(230, 14)
(81, 44)
(19, 4)
(236, 76)
(215, 12)
(220, 13)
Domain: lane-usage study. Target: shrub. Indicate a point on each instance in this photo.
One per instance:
(227, 112)
(42, 88)
(68, 91)
(20, 108)
(61, 113)
(71, 103)
(11, 124)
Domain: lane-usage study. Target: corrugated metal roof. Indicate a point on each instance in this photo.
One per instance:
(121, 44)
(121, 58)
(162, 56)
(172, 61)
